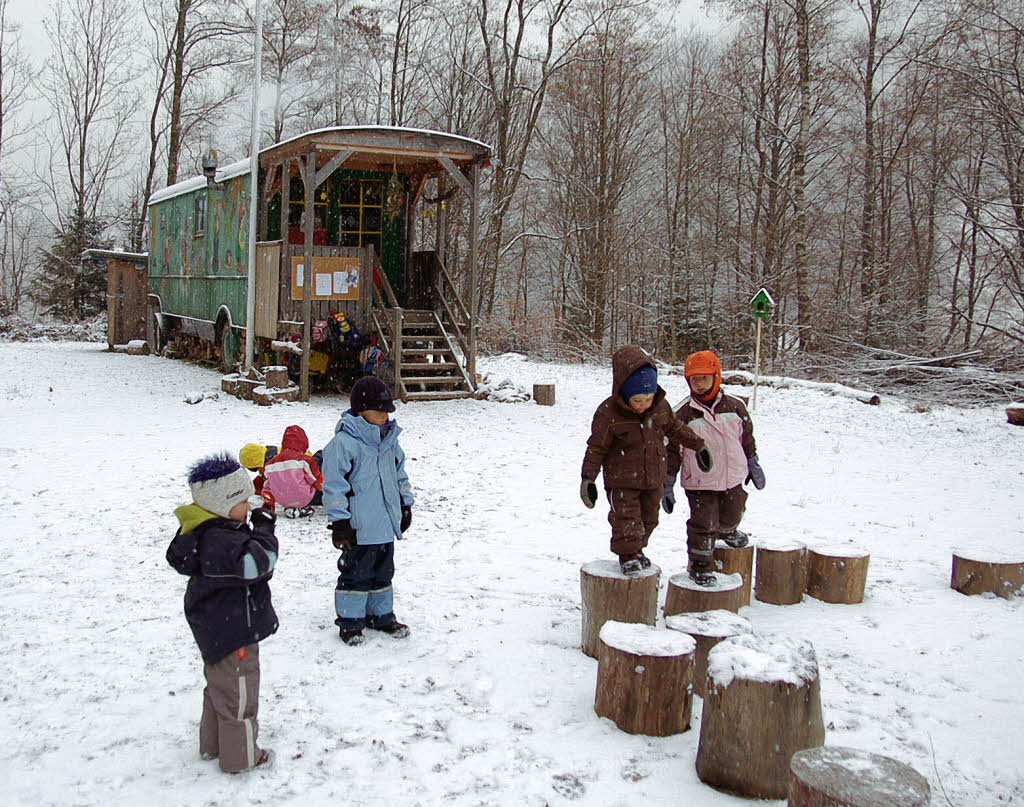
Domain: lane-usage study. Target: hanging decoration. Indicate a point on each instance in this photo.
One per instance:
(394, 197)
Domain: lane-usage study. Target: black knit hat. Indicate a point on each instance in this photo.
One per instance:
(369, 392)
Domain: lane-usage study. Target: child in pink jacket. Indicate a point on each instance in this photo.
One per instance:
(716, 496)
(293, 476)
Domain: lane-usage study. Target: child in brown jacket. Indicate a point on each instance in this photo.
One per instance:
(628, 441)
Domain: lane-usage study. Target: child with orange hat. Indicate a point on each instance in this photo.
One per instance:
(715, 491)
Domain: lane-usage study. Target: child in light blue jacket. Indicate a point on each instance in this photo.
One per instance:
(369, 504)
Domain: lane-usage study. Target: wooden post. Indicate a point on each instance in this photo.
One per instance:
(988, 572)
(474, 228)
(308, 173)
(643, 679)
(736, 559)
(707, 628)
(685, 596)
(781, 574)
(763, 704)
(544, 394)
(607, 594)
(757, 365)
(832, 776)
(837, 575)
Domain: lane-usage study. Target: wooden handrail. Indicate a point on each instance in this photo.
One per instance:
(446, 280)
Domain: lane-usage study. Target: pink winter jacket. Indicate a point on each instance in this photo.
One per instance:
(293, 476)
(728, 434)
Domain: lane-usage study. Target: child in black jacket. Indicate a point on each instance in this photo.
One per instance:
(227, 604)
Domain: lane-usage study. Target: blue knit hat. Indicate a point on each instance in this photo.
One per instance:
(642, 382)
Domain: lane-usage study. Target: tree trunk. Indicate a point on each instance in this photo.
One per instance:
(781, 574)
(831, 776)
(707, 628)
(837, 576)
(609, 594)
(729, 560)
(975, 573)
(685, 596)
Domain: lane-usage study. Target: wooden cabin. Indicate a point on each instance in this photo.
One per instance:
(339, 200)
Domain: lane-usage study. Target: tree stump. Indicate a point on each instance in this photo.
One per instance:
(1015, 414)
(275, 377)
(607, 593)
(781, 573)
(831, 776)
(544, 394)
(980, 572)
(268, 397)
(729, 560)
(707, 628)
(837, 575)
(763, 704)
(644, 678)
(685, 596)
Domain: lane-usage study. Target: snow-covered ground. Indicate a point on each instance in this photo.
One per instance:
(490, 701)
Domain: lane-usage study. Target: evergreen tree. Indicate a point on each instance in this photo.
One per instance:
(67, 287)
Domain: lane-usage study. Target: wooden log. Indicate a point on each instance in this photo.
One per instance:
(837, 575)
(607, 594)
(1015, 414)
(644, 678)
(781, 573)
(729, 560)
(136, 347)
(684, 595)
(707, 628)
(831, 776)
(981, 572)
(276, 377)
(544, 394)
(267, 397)
(763, 704)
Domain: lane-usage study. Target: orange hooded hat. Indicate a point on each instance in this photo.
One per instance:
(704, 362)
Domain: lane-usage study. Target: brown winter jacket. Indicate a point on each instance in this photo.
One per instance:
(630, 447)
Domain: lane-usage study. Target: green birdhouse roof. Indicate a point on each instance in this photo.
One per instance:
(762, 299)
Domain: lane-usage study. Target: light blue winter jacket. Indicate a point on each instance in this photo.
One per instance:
(365, 479)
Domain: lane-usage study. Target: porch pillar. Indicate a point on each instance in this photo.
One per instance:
(474, 224)
(308, 175)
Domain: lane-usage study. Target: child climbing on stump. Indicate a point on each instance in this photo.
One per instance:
(714, 483)
(627, 441)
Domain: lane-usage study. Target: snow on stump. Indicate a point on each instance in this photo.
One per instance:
(781, 573)
(729, 560)
(275, 377)
(644, 678)
(707, 628)
(984, 571)
(831, 776)
(609, 594)
(544, 394)
(263, 396)
(837, 575)
(136, 347)
(242, 385)
(685, 596)
(763, 704)
(1015, 414)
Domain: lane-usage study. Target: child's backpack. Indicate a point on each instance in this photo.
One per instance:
(319, 332)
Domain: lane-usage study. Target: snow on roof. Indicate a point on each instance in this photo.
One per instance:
(223, 174)
(646, 640)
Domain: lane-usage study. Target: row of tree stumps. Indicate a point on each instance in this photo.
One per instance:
(761, 731)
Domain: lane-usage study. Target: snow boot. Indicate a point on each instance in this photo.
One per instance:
(736, 539)
(645, 562)
(352, 636)
(395, 630)
(307, 511)
(291, 512)
(631, 564)
(703, 577)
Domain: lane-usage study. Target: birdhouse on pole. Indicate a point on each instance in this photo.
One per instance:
(762, 304)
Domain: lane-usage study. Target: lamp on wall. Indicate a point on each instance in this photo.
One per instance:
(210, 166)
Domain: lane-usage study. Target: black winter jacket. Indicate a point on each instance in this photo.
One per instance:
(229, 564)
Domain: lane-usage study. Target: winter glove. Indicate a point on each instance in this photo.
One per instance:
(588, 493)
(668, 495)
(754, 472)
(262, 515)
(406, 518)
(704, 460)
(342, 535)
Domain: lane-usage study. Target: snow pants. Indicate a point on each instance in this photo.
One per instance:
(364, 595)
(633, 516)
(713, 513)
(228, 728)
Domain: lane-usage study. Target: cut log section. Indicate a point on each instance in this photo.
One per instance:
(1015, 414)
(984, 572)
(644, 678)
(831, 776)
(607, 594)
(544, 394)
(136, 347)
(267, 397)
(763, 704)
(729, 560)
(781, 573)
(707, 628)
(837, 575)
(685, 596)
(275, 377)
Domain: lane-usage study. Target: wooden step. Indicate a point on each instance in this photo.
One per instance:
(420, 366)
(433, 379)
(422, 337)
(425, 351)
(437, 396)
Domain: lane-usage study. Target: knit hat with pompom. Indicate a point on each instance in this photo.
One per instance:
(218, 483)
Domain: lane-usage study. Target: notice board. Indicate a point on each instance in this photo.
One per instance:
(334, 277)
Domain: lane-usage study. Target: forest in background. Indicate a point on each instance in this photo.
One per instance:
(863, 160)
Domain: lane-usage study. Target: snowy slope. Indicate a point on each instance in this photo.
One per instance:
(490, 700)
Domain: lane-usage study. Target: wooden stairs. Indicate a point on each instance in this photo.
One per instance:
(428, 368)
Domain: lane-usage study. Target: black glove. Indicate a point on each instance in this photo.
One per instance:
(588, 493)
(406, 518)
(754, 472)
(704, 460)
(668, 495)
(262, 515)
(342, 535)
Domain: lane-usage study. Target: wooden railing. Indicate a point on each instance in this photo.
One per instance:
(387, 320)
(444, 292)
